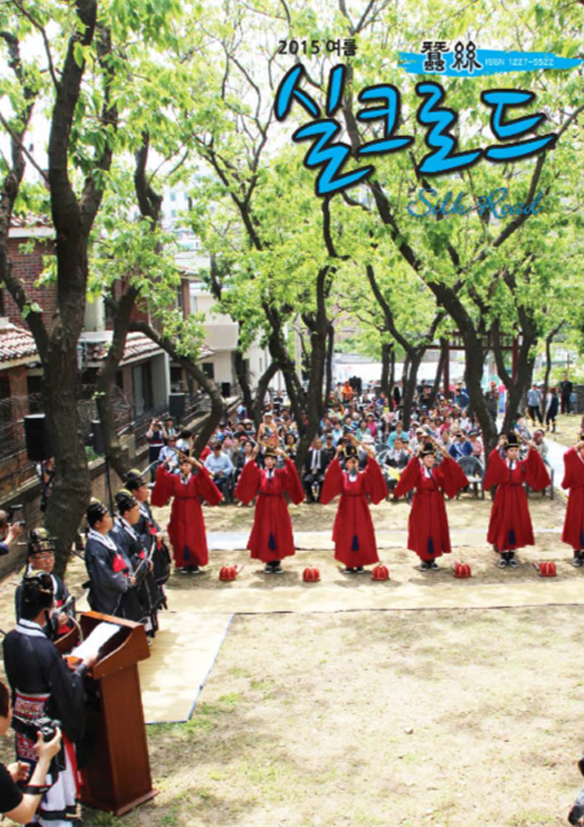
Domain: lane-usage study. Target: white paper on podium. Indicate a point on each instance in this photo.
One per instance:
(98, 638)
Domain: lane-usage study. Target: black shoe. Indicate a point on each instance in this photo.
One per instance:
(434, 566)
(349, 570)
(512, 563)
(268, 569)
(360, 570)
(502, 564)
(277, 569)
(425, 565)
(577, 560)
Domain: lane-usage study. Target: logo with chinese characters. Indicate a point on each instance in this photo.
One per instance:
(439, 57)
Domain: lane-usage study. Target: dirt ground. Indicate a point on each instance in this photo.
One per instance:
(567, 428)
(450, 718)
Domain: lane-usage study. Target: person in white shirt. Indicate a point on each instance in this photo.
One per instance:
(170, 453)
(221, 469)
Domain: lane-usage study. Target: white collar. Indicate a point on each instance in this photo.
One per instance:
(128, 528)
(29, 628)
(104, 539)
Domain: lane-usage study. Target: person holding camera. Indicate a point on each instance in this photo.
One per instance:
(20, 796)
(9, 533)
(47, 697)
(155, 436)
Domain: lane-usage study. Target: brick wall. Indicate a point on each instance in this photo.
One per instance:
(28, 267)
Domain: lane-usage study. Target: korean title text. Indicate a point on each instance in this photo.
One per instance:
(330, 156)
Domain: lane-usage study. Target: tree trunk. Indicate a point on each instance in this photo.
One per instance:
(409, 385)
(239, 368)
(260, 394)
(391, 382)
(548, 365)
(473, 374)
(318, 347)
(386, 354)
(517, 393)
(439, 370)
(71, 487)
(280, 355)
(516, 390)
(116, 456)
(329, 364)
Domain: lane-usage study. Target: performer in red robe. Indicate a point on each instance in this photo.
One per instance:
(353, 533)
(186, 529)
(428, 533)
(271, 537)
(510, 524)
(573, 533)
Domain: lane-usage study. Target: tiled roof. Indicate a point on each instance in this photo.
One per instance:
(30, 220)
(16, 344)
(138, 346)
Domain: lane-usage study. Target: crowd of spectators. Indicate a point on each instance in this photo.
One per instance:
(372, 417)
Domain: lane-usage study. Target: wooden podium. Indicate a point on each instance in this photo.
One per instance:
(116, 776)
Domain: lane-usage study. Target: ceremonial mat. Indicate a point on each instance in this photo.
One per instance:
(181, 657)
(360, 593)
(322, 540)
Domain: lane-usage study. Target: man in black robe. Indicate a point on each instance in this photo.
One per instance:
(150, 535)
(111, 573)
(43, 686)
(125, 536)
(41, 557)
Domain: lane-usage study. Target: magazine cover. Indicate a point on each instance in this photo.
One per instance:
(291, 411)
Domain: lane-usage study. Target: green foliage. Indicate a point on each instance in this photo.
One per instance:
(201, 82)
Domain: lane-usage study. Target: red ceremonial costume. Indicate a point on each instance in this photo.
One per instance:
(510, 524)
(353, 533)
(428, 533)
(186, 528)
(271, 536)
(573, 533)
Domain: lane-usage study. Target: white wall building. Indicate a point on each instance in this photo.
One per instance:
(221, 332)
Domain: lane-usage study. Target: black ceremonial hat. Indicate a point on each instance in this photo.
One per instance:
(40, 540)
(37, 591)
(428, 449)
(96, 510)
(134, 479)
(512, 441)
(350, 452)
(125, 500)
